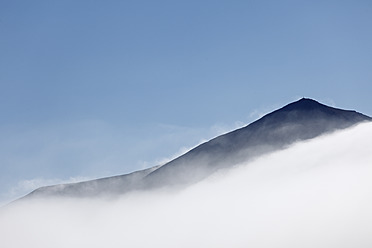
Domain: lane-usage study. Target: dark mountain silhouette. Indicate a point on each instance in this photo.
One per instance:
(297, 121)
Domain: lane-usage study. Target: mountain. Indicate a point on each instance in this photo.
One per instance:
(297, 121)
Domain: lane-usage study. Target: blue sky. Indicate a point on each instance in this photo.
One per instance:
(98, 88)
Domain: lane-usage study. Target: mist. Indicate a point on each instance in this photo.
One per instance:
(316, 193)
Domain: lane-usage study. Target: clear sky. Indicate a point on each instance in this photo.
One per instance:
(99, 88)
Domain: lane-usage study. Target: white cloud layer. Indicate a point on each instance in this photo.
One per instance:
(314, 194)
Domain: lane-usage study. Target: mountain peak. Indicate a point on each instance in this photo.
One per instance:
(304, 104)
(310, 112)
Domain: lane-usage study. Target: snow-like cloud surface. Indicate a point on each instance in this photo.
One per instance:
(314, 194)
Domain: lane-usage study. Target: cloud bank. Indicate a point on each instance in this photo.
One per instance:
(314, 194)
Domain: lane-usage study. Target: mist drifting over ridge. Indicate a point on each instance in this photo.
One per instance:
(315, 193)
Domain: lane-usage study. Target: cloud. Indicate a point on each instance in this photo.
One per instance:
(314, 194)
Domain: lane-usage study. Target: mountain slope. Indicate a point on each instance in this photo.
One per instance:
(300, 120)
(107, 186)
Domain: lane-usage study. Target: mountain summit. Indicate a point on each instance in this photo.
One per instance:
(297, 121)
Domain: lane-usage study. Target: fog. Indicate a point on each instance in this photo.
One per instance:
(316, 193)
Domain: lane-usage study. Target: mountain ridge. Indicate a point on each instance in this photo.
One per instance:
(297, 121)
